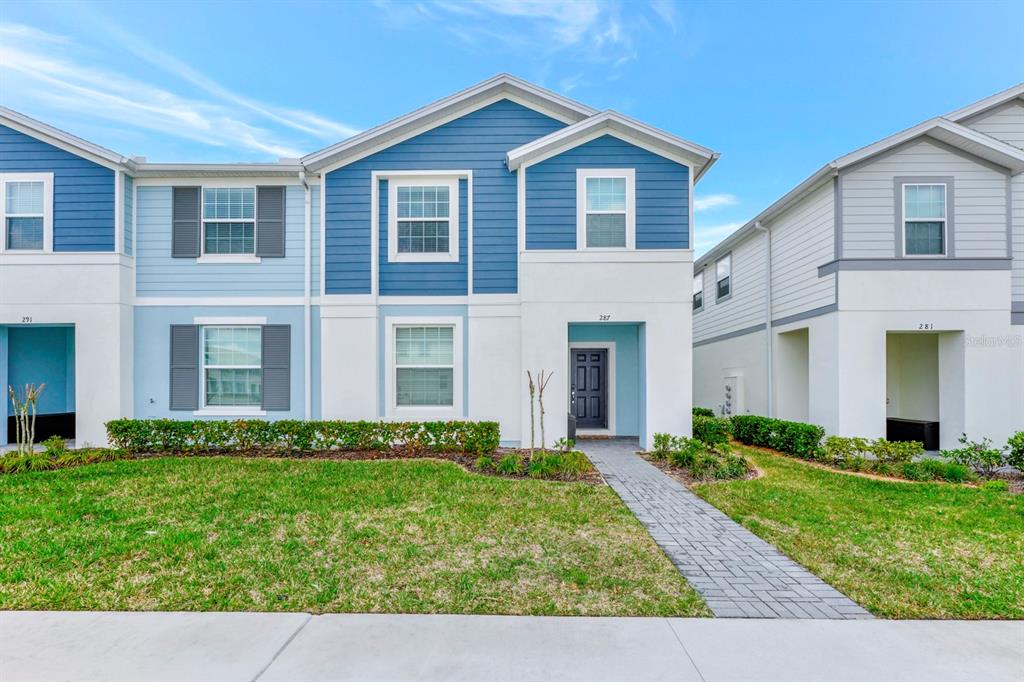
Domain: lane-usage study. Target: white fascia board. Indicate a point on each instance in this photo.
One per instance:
(1011, 93)
(215, 170)
(612, 122)
(1001, 153)
(426, 117)
(64, 140)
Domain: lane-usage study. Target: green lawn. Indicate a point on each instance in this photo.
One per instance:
(902, 550)
(415, 536)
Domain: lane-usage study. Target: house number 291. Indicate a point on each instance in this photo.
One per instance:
(604, 318)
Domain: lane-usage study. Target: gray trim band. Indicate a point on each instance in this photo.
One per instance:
(914, 264)
(730, 335)
(837, 211)
(806, 315)
(949, 239)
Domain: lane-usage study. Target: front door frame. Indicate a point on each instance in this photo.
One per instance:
(609, 348)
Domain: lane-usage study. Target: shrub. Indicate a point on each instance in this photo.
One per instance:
(685, 452)
(995, 486)
(662, 445)
(839, 450)
(484, 463)
(916, 471)
(712, 430)
(794, 438)
(509, 464)
(981, 456)
(700, 459)
(54, 446)
(896, 452)
(703, 412)
(290, 436)
(1015, 447)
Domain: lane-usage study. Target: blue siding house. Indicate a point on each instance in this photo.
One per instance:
(417, 270)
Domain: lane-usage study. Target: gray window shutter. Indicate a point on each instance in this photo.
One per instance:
(184, 367)
(185, 222)
(270, 222)
(277, 351)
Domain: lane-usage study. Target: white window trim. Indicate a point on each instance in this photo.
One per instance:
(224, 410)
(718, 279)
(944, 220)
(393, 410)
(227, 257)
(629, 174)
(47, 180)
(427, 178)
(699, 275)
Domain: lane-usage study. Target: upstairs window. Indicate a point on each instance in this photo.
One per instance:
(229, 220)
(423, 218)
(723, 277)
(27, 204)
(698, 290)
(232, 366)
(605, 208)
(924, 220)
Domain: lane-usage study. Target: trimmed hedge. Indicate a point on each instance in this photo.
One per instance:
(292, 435)
(712, 430)
(794, 438)
(703, 412)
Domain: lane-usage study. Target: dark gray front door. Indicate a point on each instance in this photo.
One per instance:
(589, 387)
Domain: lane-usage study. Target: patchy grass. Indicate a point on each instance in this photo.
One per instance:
(901, 550)
(412, 536)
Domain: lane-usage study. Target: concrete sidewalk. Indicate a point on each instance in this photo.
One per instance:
(251, 646)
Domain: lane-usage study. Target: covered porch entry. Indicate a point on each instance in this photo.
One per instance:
(606, 379)
(39, 354)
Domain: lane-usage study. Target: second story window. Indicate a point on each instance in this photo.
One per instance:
(698, 290)
(26, 207)
(924, 220)
(606, 204)
(723, 277)
(423, 220)
(229, 220)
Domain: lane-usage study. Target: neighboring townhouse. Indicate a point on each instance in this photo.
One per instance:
(417, 270)
(886, 290)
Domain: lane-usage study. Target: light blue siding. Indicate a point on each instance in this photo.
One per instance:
(627, 369)
(158, 274)
(42, 355)
(477, 141)
(386, 311)
(416, 279)
(662, 201)
(83, 191)
(128, 218)
(314, 241)
(152, 354)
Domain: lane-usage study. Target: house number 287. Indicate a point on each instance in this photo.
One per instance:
(604, 318)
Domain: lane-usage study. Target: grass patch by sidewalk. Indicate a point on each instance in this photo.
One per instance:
(410, 536)
(901, 550)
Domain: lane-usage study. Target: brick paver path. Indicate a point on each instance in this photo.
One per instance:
(738, 574)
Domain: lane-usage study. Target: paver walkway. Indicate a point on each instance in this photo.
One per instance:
(738, 574)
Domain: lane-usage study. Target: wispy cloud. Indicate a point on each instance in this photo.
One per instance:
(706, 237)
(65, 80)
(714, 201)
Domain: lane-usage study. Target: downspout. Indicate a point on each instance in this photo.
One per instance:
(769, 359)
(307, 312)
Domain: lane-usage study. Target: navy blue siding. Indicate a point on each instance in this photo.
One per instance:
(478, 142)
(662, 201)
(83, 191)
(416, 279)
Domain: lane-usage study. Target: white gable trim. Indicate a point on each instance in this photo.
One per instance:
(444, 110)
(63, 140)
(982, 105)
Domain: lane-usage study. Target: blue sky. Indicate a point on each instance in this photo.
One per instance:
(777, 88)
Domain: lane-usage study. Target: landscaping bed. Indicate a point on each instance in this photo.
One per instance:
(280, 534)
(900, 549)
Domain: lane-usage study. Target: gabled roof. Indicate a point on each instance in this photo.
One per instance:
(982, 105)
(432, 115)
(64, 140)
(941, 128)
(614, 123)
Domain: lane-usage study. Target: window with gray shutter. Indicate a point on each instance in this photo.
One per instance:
(270, 222)
(276, 367)
(184, 367)
(185, 222)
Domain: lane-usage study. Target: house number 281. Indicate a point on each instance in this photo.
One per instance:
(926, 325)
(604, 318)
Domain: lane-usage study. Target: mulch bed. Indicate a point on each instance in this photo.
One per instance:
(465, 460)
(684, 477)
